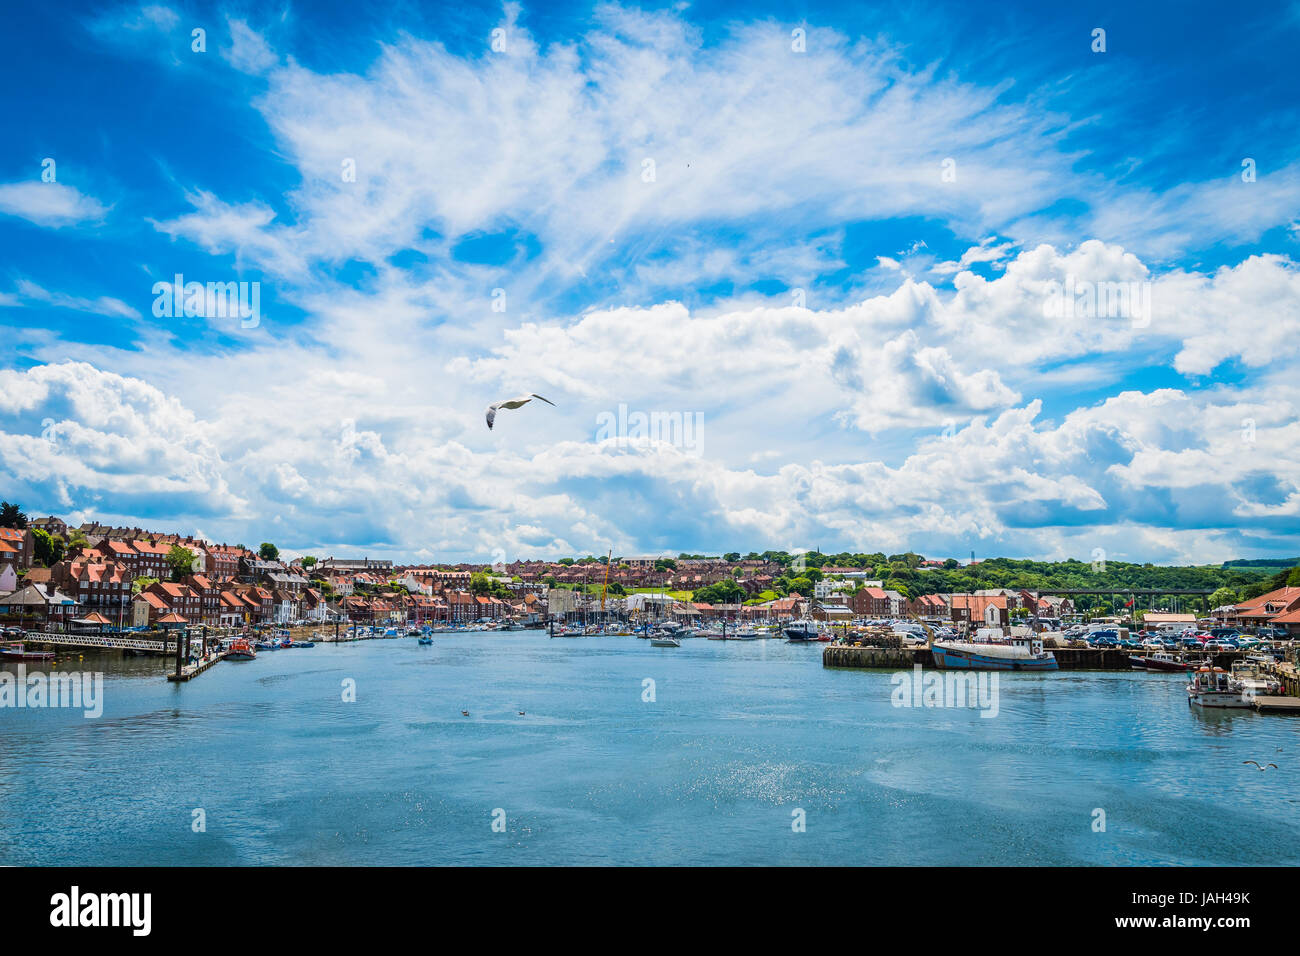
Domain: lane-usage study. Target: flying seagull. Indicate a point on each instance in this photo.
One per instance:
(511, 403)
(1261, 769)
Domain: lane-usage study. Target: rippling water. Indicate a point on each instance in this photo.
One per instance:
(739, 737)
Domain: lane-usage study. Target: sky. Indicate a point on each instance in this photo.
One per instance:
(953, 278)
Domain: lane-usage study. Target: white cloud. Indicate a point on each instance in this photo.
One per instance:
(49, 204)
(29, 292)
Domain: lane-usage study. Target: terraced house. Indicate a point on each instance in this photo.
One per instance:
(98, 585)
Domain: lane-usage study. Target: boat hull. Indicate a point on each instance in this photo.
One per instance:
(1154, 664)
(953, 659)
(1218, 700)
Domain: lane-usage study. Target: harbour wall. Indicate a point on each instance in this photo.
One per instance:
(1067, 658)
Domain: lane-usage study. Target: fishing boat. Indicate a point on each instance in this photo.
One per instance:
(240, 650)
(15, 651)
(800, 632)
(1250, 679)
(1014, 654)
(425, 639)
(1213, 687)
(1163, 661)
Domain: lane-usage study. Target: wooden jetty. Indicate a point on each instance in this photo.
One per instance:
(1277, 705)
(191, 671)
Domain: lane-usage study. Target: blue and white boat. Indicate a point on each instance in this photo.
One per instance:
(1012, 654)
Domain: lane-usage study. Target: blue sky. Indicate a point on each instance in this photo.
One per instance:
(830, 235)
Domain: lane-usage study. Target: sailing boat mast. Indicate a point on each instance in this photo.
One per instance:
(605, 587)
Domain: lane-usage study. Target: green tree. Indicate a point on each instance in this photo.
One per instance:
(731, 556)
(11, 516)
(47, 548)
(308, 561)
(726, 591)
(268, 552)
(1223, 596)
(180, 560)
(894, 584)
(140, 583)
(801, 585)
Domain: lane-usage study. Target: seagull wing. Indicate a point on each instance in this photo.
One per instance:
(1273, 765)
(1252, 762)
(546, 400)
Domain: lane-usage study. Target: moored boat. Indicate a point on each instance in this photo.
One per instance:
(240, 650)
(665, 640)
(1015, 654)
(800, 632)
(1158, 662)
(1213, 687)
(1248, 678)
(16, 651)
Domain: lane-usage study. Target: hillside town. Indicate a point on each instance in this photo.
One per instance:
(53, 574)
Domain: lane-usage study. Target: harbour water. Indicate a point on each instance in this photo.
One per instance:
(738, 738)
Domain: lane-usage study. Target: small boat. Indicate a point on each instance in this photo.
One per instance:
(425, 639)
(240, 650)
(1015, 654)
(801, 632)
(1251, 680)
(302, 644)
(665, 640)
(17, 652)
(1158, 662)
(267, 645)
(1213, 687)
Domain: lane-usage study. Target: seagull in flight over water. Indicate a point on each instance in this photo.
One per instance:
(1261, 769)
(511, 403)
